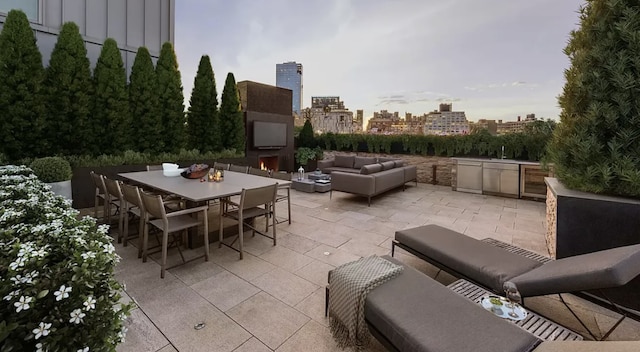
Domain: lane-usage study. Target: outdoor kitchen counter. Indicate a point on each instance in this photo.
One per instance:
(502, 177)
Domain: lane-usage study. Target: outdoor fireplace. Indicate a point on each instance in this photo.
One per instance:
(268, 162)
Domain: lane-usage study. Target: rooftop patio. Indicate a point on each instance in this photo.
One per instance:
(274, 298)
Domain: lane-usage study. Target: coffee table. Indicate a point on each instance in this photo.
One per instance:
(318, 176)
(304, 185)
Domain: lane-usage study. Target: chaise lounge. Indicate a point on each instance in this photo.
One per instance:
(493, 267)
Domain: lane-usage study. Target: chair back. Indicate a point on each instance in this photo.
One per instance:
(220, 166)
(281, 175)
(131, 194)
(253, 197)
(238, 168)
(98, 181)
(113, 187)
(258, 172)
(153, 205)
(154, 167)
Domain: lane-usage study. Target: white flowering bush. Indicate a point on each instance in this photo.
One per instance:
(57, 285)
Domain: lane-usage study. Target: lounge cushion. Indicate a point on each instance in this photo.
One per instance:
(360, 161)
(344, 161)
(370, 169)
(388, 165)
(399, 162)
(416, 313)
(383, 159)
(608, 268)
(488, 265)
(333, 169)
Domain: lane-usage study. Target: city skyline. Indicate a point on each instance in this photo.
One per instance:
(494, 59)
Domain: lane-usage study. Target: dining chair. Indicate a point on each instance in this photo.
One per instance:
(259, 172)
(238, 168)
(254, 202)
(100, 195)
(220, 166)
(135, 208)
(172, 223)
(172, 201)
(284, 193)
(116, 199)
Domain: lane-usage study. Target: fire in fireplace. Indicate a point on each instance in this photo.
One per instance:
(268, 162)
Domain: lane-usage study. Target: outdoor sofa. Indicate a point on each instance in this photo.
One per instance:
(496, 268)
(367, 176)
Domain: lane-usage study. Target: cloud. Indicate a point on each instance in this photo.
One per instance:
(490, 86)
(392, 101)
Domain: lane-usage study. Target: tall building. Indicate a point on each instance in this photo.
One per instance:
(446, 121)
(328, 114)
(289, 75)
(131, 23)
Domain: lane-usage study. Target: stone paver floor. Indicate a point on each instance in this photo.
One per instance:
(273, 300)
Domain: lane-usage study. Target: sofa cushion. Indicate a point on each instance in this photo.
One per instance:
(399, 162)
(416, 313)
(383, 159)
(344, 161)
(388, 179)
(330, 170)
(388, 165)
(361, 161)
(370, 169)
(483, 263)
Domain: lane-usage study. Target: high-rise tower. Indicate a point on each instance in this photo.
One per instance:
(289, 75)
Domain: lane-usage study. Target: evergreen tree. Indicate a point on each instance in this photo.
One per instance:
(596, 147)
(170, 99)
(203, 121)
(21, 98)
(143, 104)
(67, 88)
(306, 137)
(231, 120)
(110, 118)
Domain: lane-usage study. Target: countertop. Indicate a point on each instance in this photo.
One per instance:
(502, 161)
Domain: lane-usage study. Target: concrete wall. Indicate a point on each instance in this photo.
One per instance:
(132, 23)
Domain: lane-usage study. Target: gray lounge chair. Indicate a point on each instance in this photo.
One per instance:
(492, 267)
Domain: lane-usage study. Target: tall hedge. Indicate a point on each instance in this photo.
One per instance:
(68, 93)
(231, 120)
(170, 99)
(21, 97)
(203, 122)
(596, 147)
(110, 118)
(146, 131)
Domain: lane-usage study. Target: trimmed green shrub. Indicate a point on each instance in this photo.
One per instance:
(596, 147)
(51, 169)
(110, 119)
(137, 158)
(231, 121)
(146, 131)
(203, 122)
(170, 99)
(306, 137)
(68, 93)
(21, 98)
(57, 281)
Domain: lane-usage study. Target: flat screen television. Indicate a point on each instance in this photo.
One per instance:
(269, 135)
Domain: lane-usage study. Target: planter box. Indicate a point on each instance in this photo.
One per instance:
(581, 222)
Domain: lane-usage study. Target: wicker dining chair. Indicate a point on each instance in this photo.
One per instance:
(172, 223)
(284, 194)
(116, 199)
(254, 202)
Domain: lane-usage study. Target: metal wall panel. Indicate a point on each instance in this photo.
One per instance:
(93, 53)
(135, 23)
(117, 21)
(75, 11)
(52, 11)
(152, 26)
(97, 19)
(46, 43)
(166, 11)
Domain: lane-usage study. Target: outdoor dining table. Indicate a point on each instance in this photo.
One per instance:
(195, 191)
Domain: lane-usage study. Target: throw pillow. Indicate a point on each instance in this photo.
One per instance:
(361, 161)
(388, 165)
(370, 169)
(344, 161)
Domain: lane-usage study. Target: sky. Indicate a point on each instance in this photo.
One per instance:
(494, 59)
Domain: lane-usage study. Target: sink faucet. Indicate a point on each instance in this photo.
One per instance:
(503, 152)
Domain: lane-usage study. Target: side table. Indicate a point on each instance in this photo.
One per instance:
(304, 185)
(538, 325)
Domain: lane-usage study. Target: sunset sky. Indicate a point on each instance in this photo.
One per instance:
(494, 59)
